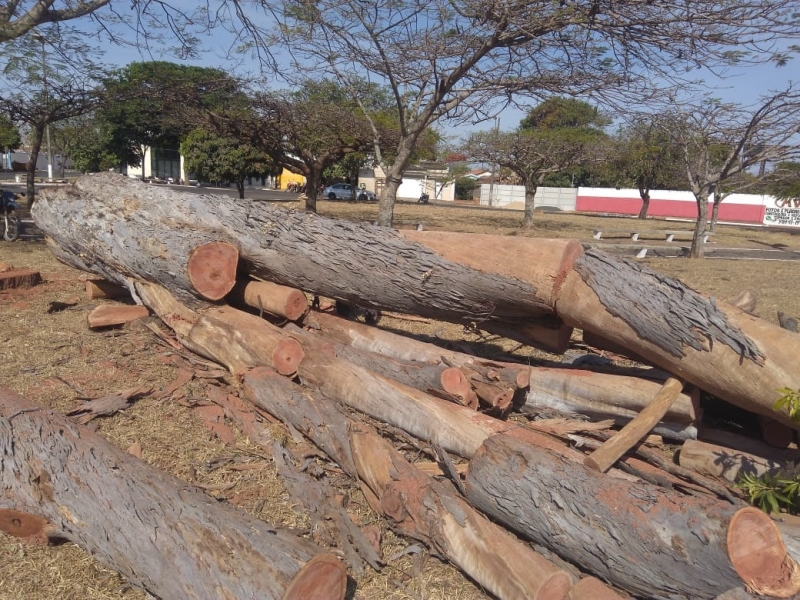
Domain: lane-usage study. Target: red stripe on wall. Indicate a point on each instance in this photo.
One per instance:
(746, 213)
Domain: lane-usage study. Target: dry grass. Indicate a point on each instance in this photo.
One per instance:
(48, 356)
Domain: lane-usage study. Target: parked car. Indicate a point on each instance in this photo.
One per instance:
(344, 191)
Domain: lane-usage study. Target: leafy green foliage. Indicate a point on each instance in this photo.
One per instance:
(783, 181)
(154, 104)
(213, 158)
(9, 134)
(789, 400)
(464, 188)
(771, 493)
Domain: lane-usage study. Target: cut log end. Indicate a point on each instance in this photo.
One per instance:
(758, 555)
(212, 269)
(590, 588)
(296, 305)
(324, 577)
(287, 356)
(454, 382)
(555, 587)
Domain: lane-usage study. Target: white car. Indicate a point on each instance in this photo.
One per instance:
(344, 191)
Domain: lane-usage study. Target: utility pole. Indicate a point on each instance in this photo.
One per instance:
(47, 103)
(491, 179)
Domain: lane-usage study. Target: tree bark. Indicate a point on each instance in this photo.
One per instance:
(645, 196)
(632, 534)
(564, 481)
(416, 504)
(163, 534)
(456, 277)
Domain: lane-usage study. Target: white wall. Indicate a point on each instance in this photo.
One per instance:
(513, 196)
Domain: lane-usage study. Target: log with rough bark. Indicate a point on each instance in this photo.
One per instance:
(597, 395)
(472, 279)
(638, 511)
(417, 505)
(651, 543)
(161, 533)
(718, 461)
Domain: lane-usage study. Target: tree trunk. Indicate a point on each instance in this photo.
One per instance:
(312, 189)
(700, 226)
(240, 188)
(530, 198)
(634, 535)
(161, 533)
(463, 431)
(416, 505)
(30, 171)
(387, 200)
(449, 276)
(714, 213)
(645, 195)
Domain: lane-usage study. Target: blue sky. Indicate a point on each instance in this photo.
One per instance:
(742, 86)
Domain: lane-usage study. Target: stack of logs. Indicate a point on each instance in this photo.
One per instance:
(220, 275)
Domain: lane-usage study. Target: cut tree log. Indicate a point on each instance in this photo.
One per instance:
(599, 396)
(637, 429)
(602, 396)
(721, 349)
(463, 278)
(759, 555)
(725, 463)
(289, 248)
(774, 433)
(641, 513)
(417, 505)
(17, 278)
(161, 533)
(426, 509)
(748, 444)
(109, 315)
(277, 300)
(651, 543)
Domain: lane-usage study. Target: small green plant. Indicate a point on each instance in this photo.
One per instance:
(790, 400)
(771, 493)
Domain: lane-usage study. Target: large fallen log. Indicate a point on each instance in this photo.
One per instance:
(163, 534)
(416, 504)
(120, 227)
(664, 522)
(599, 396)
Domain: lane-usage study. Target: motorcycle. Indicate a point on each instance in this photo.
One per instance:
(9, 209)
(424, 198)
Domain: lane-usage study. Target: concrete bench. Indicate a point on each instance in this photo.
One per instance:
(634, 235)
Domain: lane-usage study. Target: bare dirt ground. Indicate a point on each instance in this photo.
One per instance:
(48, 354)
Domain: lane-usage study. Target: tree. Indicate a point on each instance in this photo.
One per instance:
(460, 60)
(783, 181)
(47, 89)
(154, 104)
(645, 157)
(307, 131)
(214, 158)
(84, 140)
(719, 141)
(543, 145)
(9, 135)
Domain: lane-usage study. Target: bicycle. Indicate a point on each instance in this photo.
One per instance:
(9, 208)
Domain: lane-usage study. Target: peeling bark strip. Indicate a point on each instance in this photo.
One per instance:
(646, 301)
(114, 223)
(161, 533)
